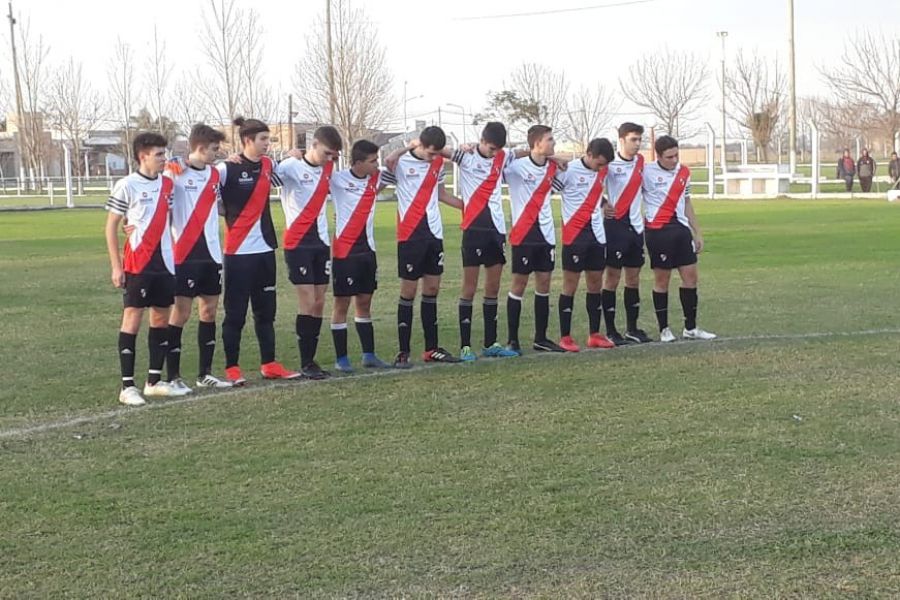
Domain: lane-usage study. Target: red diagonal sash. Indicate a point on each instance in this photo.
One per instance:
(483, 194)
(665, 212)
(136, 259)
(310, 212)
(533, 207)
(253, 210)
(407, 225)
(357, 222)
(582, 216)
(197, 221)
(623, 204)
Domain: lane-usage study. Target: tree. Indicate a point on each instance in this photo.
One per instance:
(158, 73)
(145, 121)
(670, 84)
(755, 91)
(185, 106)
(74, 107)
(33, 83)
(121, 83)
(362, 98)
(589, 112)
(222, 32)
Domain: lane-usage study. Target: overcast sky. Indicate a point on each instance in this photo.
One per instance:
(449, 56)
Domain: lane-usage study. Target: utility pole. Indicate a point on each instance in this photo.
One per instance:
(19, 114)
(331, 95)
(792, 111)
(722, 35)
(291, 121)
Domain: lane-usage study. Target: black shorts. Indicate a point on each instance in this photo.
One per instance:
(671, 247)
(531, 258)
(624, 245)
(149, 289)
(194, 279)
(481, 247)
(308, 266)
(356, 274)
(417, 258)
(579, 257)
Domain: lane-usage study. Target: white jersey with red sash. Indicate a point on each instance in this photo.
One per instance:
(354, 211)
(623, 188)
(304, 189)
(145, 204)
(195, 215)
(664, 195)
(418, 213)
(480, 182)
(582, 214)
(530, 187)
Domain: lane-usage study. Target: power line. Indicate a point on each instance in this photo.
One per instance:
(553, 12)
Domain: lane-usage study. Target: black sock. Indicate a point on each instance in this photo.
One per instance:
(632, 300)
(513, 315)
(541, 315)
(465, 322)
(339, 335)
(265, 334)
(661, 306)
(308, 328)
(429, 321)
(592, 304)
(566, 304)
(689, 302)
(404, 323)
(366, 333)
(206, 341)
(489, 311)
(173, 357)
(157, 344)
(608, 301)
(126, 358)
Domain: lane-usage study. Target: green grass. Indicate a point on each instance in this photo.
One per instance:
(743, 468)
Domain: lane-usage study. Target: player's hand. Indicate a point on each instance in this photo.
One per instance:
(234, 159)
(391, 163)
(128, 229)
(413, 144)
(118, 277)
(609, 211)
(562, 165)
(467, 148)
(295, 153)
(698, 243)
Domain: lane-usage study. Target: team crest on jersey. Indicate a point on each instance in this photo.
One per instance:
(529, 177)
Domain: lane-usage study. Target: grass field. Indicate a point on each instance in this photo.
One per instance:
(763, 465)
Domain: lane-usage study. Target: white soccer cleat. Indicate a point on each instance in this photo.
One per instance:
(130, 396)
(666, 335)
(698, 334)
(208, 381)
(160, 389)
(179, 387)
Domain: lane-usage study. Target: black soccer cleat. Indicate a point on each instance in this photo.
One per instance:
(638, 336)
(547, 346)
(401, 361)
(314, 372)
(439, 355)
(617, 339)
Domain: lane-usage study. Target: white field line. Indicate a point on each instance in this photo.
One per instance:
(267, 385)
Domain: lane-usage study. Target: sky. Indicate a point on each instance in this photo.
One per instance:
(448, 52)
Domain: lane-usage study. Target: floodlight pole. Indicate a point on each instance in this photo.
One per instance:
(710, 161)
(722, 35)
(792, 110)
(815, 158)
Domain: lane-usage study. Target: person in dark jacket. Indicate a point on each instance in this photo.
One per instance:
(846, 169)
(894, 171)
(865, 169)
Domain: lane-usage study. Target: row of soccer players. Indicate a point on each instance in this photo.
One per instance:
(173, 255)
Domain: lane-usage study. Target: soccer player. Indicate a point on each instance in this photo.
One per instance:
(624, 235)
(673, 237)
(584, 240)
(354, 192)
(420, 244)
(305, 187)
(198, 254)
(145, 270)
(533, 236)
(250, 244)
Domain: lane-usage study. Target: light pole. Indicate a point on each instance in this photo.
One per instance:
(463, 110)
(722, 35)
(792, 111)
(406, 99)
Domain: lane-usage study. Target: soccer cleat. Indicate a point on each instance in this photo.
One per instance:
(401, 361)
(639, 336)
(666, 335)
(130, 396)
(208, 381)
(314, 372)
(698, 334)
(466, 354)
(179, 387)
(234, 376)
(370, 361)
(568, 344)
(495, 350)
(275, 370)
(514, 347)
(342, 364)
(439, 355)
(617, 339)
(597, 340)
(159, 389)
(547, 346)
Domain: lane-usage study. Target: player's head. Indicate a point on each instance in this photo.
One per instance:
(893, 156)
(150, 151)
(364, 158)
(599, 153)
(432, 140)
(493, 138)
(254, 135)
(205, 142)
(540, 140)
(865, 152)
(630, 136)
(847, 152)
(666, 151)
(327, 144)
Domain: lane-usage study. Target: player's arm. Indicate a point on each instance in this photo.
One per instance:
(385, 179)
(562, 163)
(112, 247)
(394, 157)
(448, 198)
(692, 221)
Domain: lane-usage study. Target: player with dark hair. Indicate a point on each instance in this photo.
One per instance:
(673, 237)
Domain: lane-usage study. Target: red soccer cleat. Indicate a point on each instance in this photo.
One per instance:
(275, 370)
(234, 376)
(597, 340)
(568, 344)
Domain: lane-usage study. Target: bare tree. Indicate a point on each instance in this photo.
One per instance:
(34, 79)
(250, 53)
(222, 36)
(74, 107)
(158, 72)
(121, 83)
(362, 98)
(547, 88)
(755, 91)
(590, 112)
(185, 105)
(670, 84)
